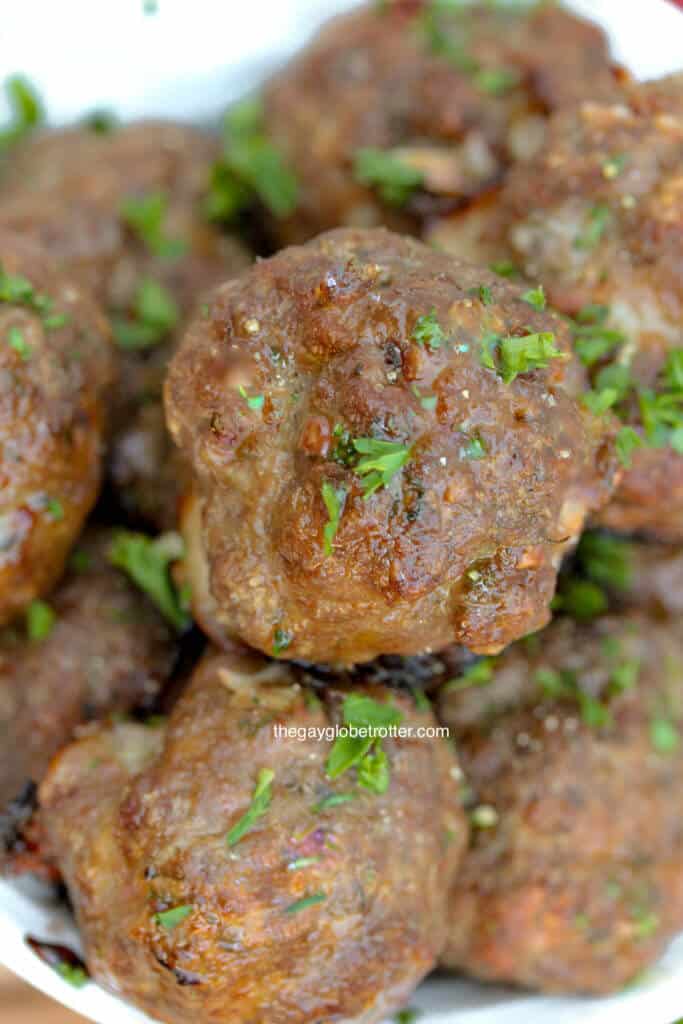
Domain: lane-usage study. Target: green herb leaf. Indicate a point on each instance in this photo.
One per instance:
(474, 449)
(260, 801)
(664, 735)
(100, 122)
(395, 180)
(170, 919)
(535, 297)
(155, 315)
(628, 440)
(55, 509)
(305, 903)
(407, 1016)
(381, 461)
(74, 974)
(282, 639)
(477, 674)
(26, 110)
(504, 268)
(613, 167)
(335, 499)
(40, 620)
(583, 600)
(146, 215)
(512, 356)
(427, 332)
(147, 560)
(363, 713)
(17, 341)
(302, 862)
(373, 771)
(334, 800)
(496, 81)
(255, 402)
(599, 218)
(606, 560)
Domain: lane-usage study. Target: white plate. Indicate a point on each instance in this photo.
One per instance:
(188, 60)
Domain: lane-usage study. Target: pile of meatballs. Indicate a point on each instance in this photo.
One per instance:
(367, 412)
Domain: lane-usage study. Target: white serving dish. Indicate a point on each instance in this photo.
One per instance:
(188, 60)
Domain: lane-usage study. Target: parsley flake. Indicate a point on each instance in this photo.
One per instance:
(282, 639)
(40, 621)
(334, 800)
(17, 341)
(512, 356)
(305, 903)
(335, 499)
(628, 440)
(599, 218)
(26, 110)
(260, 802)
(381, 461)
(147, 560)
(170, 919)
(535, 297)
(477, 674)
(155, 315)
(394, 179)
(364, 751)
(664, 735)
(74, 974)
(145, 215)
(255, 402)
(427, 332)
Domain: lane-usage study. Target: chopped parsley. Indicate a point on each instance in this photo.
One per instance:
(477, 674)
(145, 215)
(335, 499)
(155, 315)
(598, 220)
(333, 800)
(170, 919)
(302, 862)
(427, 332)
(365, 751)
(305, 903)
(535, 297)
(282, 639)
(485, 295)
(428, 402)
(606, 560)
(512, 356)
(564, 685)
(40, 621)
(593, 340)
(407, 1016)
(496, 81)
(613, 167)
(394, 179)
(147, 561)
(250, 169)
(18, 290)
(55, 509)
(26, 110)
(74, 974)
(255, 402)
(100, 122)
(260, 802)
(504, 268)
(664, 735)
(380, 462)
(17, 341)
(474, 450)
(628, 440)
(583, 600)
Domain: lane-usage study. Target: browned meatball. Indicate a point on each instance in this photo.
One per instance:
(97, 647)
(571, 749)
(401, 109)
(598, 219)
(56, 366)
(373, 475)
(123, 212)
(237, 881)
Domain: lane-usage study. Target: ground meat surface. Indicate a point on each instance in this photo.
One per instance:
(326, 904)
(105, 649)
(399, 110)
(365, 485)
(598, 219)
(572, 754)
(123, 212)
(56, 367)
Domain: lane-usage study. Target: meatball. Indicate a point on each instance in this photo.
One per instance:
(97, 647)
(56, 366)
(237, 880)
(387, 452)
(571, 750)
(401, 109)
(598, 219)
(123, 213)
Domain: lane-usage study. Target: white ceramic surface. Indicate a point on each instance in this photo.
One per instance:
(187, 60)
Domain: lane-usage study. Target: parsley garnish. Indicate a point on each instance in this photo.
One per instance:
(504, 268)
(302, 862)
(381, 461)
(407, 1016)
(334, 498)
(146, 216)
(598, 220)
(55, 509)
(146, 560)
(583, 600)
(307, 901)
(251, 168)
(496, 81)
(628, 440)
(606, 560)
(535, 297)
(17, 341)
(593, 341)
(260, 802)
(664, 735)
(394, 179)
(100, 122)
(365, 751)
(26, 110)
(334, 800)
(282, 639)
(563, 685)
(427, 332)
(170, 919)
(477, 674)
(428, 402)
(40, 620)
(74, 974)
(155, 315)
(485, 295)
(474, 449)
(255, 402)
(512, 356)
(613, 167)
